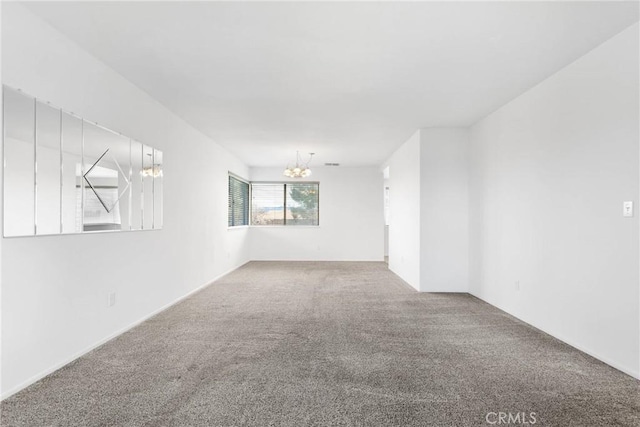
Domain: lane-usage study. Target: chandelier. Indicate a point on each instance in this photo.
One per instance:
(301, 170)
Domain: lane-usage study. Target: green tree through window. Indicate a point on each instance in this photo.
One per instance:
(302, 203)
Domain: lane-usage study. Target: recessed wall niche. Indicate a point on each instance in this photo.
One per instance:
(64, 174)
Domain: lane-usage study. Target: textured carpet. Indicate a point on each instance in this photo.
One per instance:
(313, 343)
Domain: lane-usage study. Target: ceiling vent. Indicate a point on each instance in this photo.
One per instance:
(332, 164)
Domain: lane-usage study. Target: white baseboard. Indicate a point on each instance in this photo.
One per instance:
(39, 376)
(629, 371)
(315, 260)
(81, 353)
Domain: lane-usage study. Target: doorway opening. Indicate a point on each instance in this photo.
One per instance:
(385, 173)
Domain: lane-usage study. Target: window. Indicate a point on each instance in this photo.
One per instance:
(238, 202)
(267, 204)
(285, 203)
(302, 204)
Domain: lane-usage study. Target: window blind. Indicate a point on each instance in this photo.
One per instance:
(238, 202)
(267, 204)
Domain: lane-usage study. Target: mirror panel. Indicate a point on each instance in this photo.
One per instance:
(48, 169)
(147, 187)
(157, 189)
(71, 174)
(19, 163)
(136, 185)
(106, 180)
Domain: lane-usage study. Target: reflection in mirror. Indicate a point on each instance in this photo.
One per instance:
(71, 174)
(48, 169)
(64, 175)
(106, 180)
(157, 189)
(147, 187)
(19, 163)
(136, 185)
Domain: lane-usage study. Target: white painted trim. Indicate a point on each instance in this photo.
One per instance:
(238, 227)
(406, 284)
(283, 226)
(624, 369)
(415, 288)
(37, 377)
(81, 353)
(316, 260)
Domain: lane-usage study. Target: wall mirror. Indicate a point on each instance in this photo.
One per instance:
(64, 174)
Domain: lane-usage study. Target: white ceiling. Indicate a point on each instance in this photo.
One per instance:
(349, 81)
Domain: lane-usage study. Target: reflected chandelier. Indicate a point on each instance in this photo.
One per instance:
(300, 170)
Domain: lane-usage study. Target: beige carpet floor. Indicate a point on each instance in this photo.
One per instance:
(342, 344)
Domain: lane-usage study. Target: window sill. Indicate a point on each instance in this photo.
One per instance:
(284, 226)
(237, 227)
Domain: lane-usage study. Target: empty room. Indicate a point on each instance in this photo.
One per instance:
(320, 213)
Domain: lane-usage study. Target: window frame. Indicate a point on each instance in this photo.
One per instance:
(284, 194)
(230, 206)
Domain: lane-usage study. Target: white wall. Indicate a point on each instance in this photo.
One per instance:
(404, 208)
(386, 225)
(549, 173)
(429, 226)
(55, 289)
(444, 210)
(351, 219)
(1, 214)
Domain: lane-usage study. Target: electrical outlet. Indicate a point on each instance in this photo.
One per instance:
(112, 299)
(517, 285)
(627, 209)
